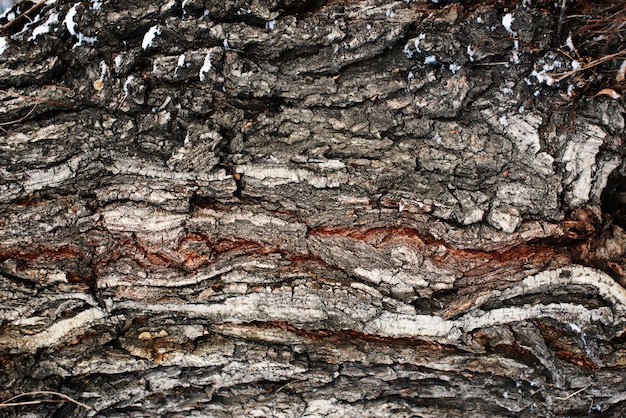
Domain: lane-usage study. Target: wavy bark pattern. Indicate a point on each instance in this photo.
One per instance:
(305, 208)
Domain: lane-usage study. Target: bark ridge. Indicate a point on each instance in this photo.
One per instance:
(306, 208)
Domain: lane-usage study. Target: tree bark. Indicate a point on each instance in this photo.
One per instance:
(305, 208)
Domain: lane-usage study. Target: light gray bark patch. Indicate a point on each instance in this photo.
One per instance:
(305, 208)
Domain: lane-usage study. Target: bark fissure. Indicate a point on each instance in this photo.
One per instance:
(306, 208)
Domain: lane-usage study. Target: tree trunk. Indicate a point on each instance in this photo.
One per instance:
(306, 208)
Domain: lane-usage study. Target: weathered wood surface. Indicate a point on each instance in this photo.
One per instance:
(305, 208)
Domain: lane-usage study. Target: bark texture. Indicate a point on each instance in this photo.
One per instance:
(305, 208)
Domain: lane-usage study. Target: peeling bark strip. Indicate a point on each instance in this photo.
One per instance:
(305, 208)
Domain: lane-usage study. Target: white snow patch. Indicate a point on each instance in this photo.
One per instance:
(515, 52)
(69, 20)
(543, 77)
(179, 64)
(27, 27)
(104, 69)
(206, 67)
(45, 28)
(127, 83)
(407, 51)
(84, 39)
(575, 327)
(149, 36)
(3, 45)
(454, 67)
(71, 27)
(416, 43)
(570, 44)
(507, 19)
(471, 52)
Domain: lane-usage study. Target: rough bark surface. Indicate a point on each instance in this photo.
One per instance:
(305, 208)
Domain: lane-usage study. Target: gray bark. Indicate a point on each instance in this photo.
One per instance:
(305, 208)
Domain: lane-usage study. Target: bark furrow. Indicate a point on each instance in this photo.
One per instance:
(306, 208)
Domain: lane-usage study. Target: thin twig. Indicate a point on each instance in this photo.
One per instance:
(486, 64)
(561, 19)
(11, 404)
(11, 122)
(37, 100)
(288, 384)
(594, 63)
(25, 14)
(8, 402)
(572, 394)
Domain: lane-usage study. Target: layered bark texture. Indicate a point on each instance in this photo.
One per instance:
(305, 208)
